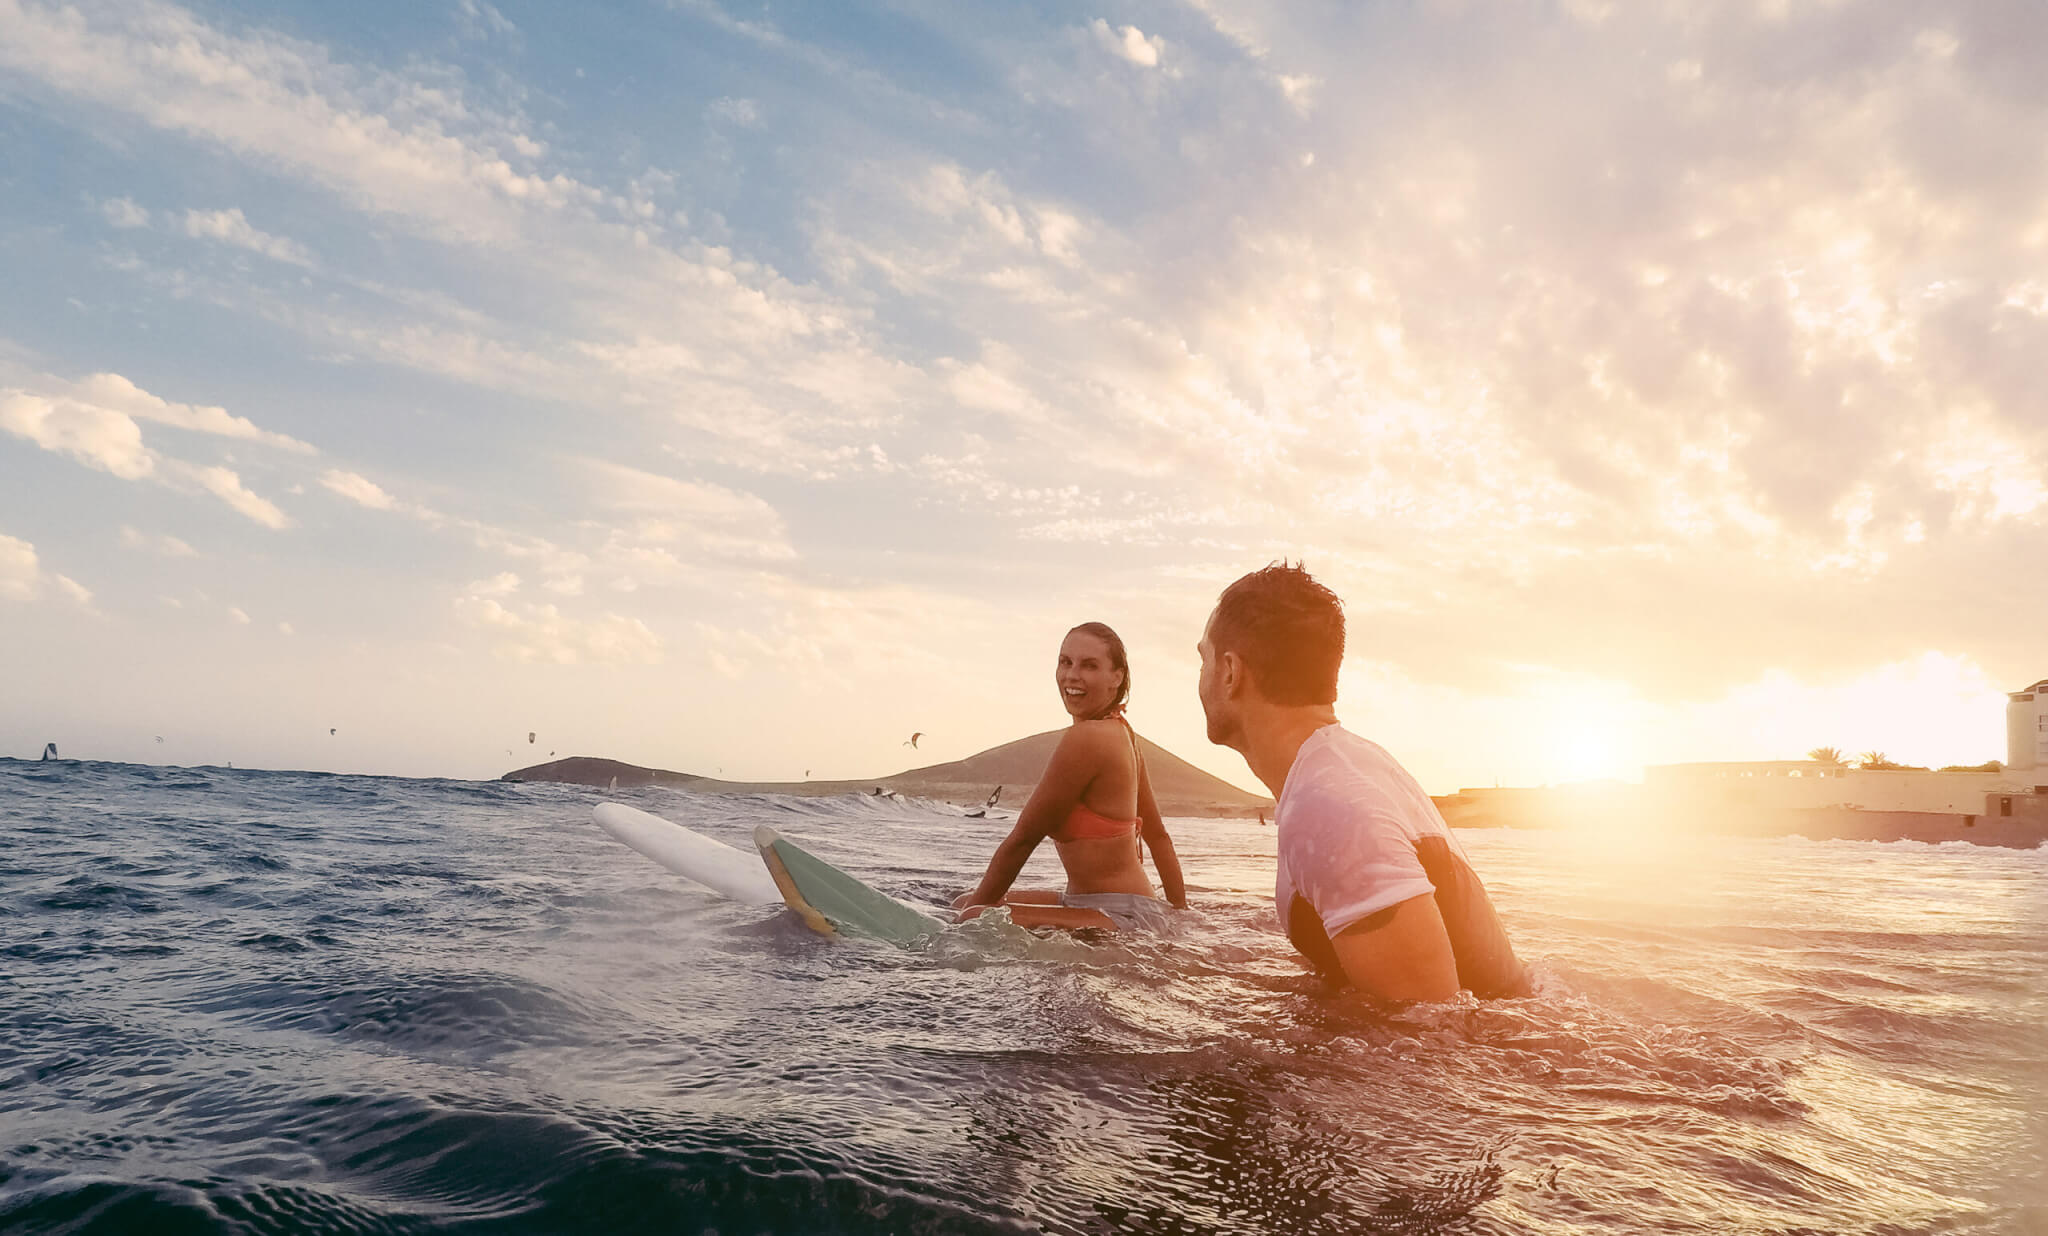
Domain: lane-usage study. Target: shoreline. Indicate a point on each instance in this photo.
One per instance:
(1561, 810)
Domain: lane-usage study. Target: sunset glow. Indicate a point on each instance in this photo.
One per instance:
(717, 387)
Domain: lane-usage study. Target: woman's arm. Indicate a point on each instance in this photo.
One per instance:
(1153, 829)
(1073, 766)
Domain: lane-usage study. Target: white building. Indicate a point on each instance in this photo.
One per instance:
(2026, 731)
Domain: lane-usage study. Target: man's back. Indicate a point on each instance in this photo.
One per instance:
(1357, 837)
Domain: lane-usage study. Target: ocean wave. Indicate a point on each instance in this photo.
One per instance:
(303, 1002)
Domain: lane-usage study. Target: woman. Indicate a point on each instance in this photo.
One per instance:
(1095, 802)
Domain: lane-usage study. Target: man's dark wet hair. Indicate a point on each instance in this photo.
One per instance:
(1118, 661)
(1287, 628)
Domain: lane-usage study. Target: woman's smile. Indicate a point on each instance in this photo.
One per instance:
(1088, 683)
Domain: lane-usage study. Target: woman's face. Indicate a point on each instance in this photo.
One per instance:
(1088, 683)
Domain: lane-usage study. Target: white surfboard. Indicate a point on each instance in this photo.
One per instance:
(692, 855)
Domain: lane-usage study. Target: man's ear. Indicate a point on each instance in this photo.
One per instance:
(1236, 676)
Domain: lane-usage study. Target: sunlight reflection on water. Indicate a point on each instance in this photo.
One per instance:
(298, 1003)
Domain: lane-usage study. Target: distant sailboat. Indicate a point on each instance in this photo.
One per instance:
(50, 751)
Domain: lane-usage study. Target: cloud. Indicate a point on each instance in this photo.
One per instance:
(94, 422)
(766, 372)
(229, 227)
(111, 442)
(123, 213)
(224, 484)
(366, 493)
(282, 101)
(163, 545)
(22, 577)
(232, 228)
(1533, 344)
(543, 633)
(1128, 43)
(20, 574)
(1239, 23)
(94, 436)
(1300, 91)
(1551, 340)
(237, 616)
(708, 519)
(482, 20)
(357, 489)
(114, 392)
(746, 113)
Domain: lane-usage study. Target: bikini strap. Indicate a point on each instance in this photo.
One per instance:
(1130, 732)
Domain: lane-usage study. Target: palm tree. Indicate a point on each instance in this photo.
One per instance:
(1876, 760)
(1826, 755)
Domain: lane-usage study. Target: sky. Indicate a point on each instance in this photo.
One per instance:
(741, 388)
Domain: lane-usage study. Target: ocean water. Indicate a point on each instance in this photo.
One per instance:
(284, 1002)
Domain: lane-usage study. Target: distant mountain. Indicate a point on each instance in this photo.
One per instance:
(589, 770)
(1181, 788)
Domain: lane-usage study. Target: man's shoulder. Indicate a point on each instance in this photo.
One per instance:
(1335, 761)
(1343, 778)
(1336, 744)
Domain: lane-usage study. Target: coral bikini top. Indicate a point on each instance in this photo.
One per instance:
(1082, 824)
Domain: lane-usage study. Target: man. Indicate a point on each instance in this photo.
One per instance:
(1371, 884)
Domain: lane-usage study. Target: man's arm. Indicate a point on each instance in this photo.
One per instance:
(1401, 953)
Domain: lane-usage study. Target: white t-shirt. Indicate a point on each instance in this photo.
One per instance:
(1348, 820)
(1358, 836)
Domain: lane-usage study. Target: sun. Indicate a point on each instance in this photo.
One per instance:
(1588, 753)
(1586, 730)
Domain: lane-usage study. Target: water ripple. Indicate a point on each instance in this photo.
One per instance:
(269, 1002)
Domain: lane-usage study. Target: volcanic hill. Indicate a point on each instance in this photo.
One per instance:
(1181, 788)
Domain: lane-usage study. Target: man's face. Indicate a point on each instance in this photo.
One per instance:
(1218, 710)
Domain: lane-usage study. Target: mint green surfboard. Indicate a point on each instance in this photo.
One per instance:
(829, 900)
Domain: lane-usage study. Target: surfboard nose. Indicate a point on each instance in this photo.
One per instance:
(765, 836)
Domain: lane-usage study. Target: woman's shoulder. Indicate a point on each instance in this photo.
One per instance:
(1091, 736)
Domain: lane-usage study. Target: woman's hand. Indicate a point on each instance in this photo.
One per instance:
(965, 900)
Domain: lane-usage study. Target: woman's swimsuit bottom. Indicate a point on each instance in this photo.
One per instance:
(1129, 911)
